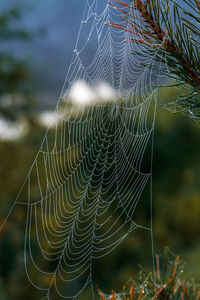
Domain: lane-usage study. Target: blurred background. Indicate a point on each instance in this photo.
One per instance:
(36, 44)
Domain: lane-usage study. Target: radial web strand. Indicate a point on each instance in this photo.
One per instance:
(84, 185)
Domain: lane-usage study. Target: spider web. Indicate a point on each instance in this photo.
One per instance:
(85, 183)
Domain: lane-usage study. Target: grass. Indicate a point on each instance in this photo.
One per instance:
(168, 282)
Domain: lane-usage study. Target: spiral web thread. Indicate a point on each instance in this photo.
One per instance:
(88, 176)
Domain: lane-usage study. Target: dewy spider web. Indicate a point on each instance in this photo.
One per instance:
(84, 185)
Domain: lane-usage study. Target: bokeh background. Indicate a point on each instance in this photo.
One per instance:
(36, 44)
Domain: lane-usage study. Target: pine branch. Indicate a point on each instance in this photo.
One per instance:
(175, 35)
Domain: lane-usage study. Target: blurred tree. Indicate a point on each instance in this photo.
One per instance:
(16, 98)
(16, 90)
(14, 72)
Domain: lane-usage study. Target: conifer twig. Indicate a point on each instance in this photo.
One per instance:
(176, 37)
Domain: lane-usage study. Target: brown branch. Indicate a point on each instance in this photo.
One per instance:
(169, 45)
(158, 33)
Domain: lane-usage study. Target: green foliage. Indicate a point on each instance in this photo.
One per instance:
(176, 205)
(8, 28)
(170, 33)
(14, 72)
(168, 283)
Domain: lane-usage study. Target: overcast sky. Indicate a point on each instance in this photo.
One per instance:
(50, 54)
